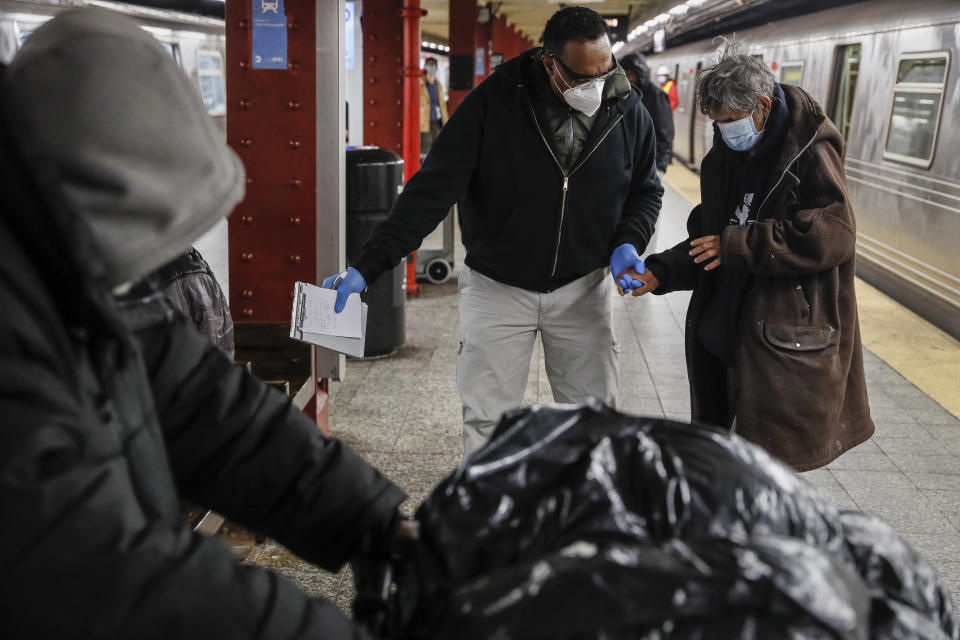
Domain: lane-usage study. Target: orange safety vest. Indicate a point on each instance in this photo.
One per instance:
(670, 88)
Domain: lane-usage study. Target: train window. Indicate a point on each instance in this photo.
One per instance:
(23, 32)
(917, 104)
(791, 73)
(213, 88)
(846, 70)
(173, 49)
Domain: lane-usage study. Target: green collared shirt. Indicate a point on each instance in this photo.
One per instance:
(567, 129)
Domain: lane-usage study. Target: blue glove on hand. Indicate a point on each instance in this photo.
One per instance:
(626, 257)
(345, 282)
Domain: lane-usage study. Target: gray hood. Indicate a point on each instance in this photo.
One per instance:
(137, 154)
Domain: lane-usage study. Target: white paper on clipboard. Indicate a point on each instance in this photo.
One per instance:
(313, 321)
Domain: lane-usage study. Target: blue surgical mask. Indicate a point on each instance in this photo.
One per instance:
(740, 135)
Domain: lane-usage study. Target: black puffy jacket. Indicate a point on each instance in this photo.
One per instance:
(108, 417)
(526, 222)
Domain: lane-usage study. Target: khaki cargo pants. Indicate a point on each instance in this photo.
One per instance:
(498, 330)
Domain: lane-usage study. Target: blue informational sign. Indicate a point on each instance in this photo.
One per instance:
(480, 62)
(349, 31)
(269, 35)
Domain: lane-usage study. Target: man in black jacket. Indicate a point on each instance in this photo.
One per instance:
(552, 159)
(112, 412)
(657, 103)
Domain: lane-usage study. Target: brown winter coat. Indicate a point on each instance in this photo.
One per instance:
(798, 359)
(425, 105)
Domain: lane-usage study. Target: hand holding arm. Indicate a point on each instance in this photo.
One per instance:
(648, 283)
(623, 262)
(818, 234)
(704, 249)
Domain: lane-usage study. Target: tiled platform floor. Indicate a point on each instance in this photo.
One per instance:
(404, 415)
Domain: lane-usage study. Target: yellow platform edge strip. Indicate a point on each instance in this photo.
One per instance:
(923, 354)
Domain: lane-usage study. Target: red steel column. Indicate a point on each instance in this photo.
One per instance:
(391, 73)
(411, 15)
(382, 69)
(463, 39)
(498, 37)
(271, 124)
(483, 37)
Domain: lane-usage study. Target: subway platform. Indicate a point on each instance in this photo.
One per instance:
(403, 413)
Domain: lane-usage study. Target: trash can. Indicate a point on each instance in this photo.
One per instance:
(374, 179)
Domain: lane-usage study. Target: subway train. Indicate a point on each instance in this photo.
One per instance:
(886, 73)
(197, 43)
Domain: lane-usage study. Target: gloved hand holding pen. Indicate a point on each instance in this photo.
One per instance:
(345, 283)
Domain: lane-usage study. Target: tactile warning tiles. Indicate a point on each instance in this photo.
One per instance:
(919, 351)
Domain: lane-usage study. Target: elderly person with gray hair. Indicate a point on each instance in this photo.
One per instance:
(772, 338)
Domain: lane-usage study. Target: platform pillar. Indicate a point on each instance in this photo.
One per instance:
(289, 132)
(391, 72)
(463, 40)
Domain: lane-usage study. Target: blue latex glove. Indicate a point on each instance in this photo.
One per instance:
(626, 257)
(345, 282)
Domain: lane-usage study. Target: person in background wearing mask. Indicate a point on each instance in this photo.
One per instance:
(668, 85)
(553, 161)
(656, 103)
(772, 339)
(433, 106)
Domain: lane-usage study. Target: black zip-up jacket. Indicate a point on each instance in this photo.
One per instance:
(525, 222)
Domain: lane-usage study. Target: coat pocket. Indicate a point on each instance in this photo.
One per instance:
(791, 389)
(793, 338)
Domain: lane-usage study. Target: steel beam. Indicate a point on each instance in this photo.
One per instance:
(288, 129)
(463, 39)
(391, 72)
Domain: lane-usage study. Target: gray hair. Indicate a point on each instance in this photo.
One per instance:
(735, 82)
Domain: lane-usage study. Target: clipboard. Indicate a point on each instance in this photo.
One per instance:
(304, 297)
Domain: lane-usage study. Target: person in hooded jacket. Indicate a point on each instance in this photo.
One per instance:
(772, 337)
(553, 161)
(657, 104)
(193, 290)
(113, 410)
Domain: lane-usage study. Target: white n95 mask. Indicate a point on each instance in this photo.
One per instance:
(585, 97)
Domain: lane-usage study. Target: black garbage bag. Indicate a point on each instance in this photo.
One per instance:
(581, 522)
(909, 600)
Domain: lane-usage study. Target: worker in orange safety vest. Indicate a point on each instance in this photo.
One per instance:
(668, 85)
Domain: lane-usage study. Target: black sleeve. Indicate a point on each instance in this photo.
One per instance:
(675, 268)
(428, 195)
(242, 449)
(663, 121)
(642, 206)
(83, 550)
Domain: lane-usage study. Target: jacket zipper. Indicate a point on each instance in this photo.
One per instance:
(785, 171)
(737, 329)
(566, 178)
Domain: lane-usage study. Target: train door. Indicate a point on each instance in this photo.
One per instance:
(846, 70)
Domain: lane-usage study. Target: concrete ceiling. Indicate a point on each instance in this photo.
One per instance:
(529, 16)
